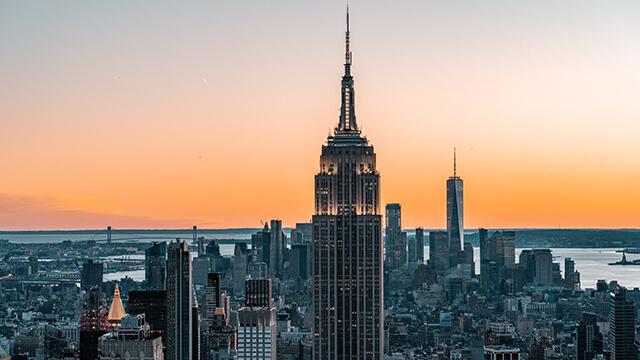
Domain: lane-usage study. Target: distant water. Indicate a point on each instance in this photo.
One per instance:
(591, 263)
(124, 236)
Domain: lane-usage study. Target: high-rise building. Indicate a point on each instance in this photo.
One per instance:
(239, 272)
(571, 276)
(91, 275)
(300, 261)
(416, 247)
(537, 265)
(303, 233)
(132, 340)
(439, 250)
(588, 337)
(179, 302)
(505, 248)
(154, 305)
(261, 245)
(278, 246)
(258, 292)
(395, 247)
(93, 324)
(347, 235)
(455, 214)
(155, 258)
(212, 297)
(217, 338)
(468, 257)
(257, 323)
(622, 326)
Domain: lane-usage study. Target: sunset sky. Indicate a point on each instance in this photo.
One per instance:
(152, 114)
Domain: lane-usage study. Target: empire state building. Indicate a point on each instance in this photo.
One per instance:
(347, 241)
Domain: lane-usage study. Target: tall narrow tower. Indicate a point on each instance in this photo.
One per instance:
(179, 302)
(347, 241)
(455, 215)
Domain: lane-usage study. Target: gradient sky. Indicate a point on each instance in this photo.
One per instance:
(152, 114)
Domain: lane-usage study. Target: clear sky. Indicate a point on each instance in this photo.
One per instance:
(155, 114)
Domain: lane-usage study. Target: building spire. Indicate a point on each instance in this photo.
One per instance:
(347, 55)
(454, 162)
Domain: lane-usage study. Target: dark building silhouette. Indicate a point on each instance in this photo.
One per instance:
(416, 247)
(213, 249)
(93, 324)
(439, 250)
(455, 215)
(347, 235)
(155, 258)
(571, 276)
(588, 337)
(537, 265)
(622, 327)
(258, 292)
(278, 245)
(154, 305)
(395, 240)
(300, 261)
(179, 290)
(91, 275)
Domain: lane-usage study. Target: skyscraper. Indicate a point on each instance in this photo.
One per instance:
(347, 235)
(179, 302)
(395, 247)
(257, 323)
(455, 215)
(438, 250)
(588, 337)
(416, 247)
(278, 246)
(622, 326)
(91, 275)
(155, 258)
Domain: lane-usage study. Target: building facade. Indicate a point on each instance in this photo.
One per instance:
(179, 303)
(622, 326)
(347, 235)
(455, 215)
(155, 258)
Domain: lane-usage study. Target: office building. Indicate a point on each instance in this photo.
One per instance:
(155, 258)
(347, 235)
(439, 250)
(302, 234)
(537, 265)
(154, 305)
(278, 246)
(257, 327)
(179, 290)
(93, 324)
(395, 243)
(132, 341)
(91, 275)
(455, 215)
(622, 326)
(571, 276)
(239, 272)
(300, 261)
(588, 337)
(416, 247)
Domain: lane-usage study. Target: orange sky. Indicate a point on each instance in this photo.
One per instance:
(214, 114)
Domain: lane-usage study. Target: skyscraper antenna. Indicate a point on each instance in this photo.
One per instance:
(347, 55)
(454, 163)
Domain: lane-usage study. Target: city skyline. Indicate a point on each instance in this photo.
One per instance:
(106, 109)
